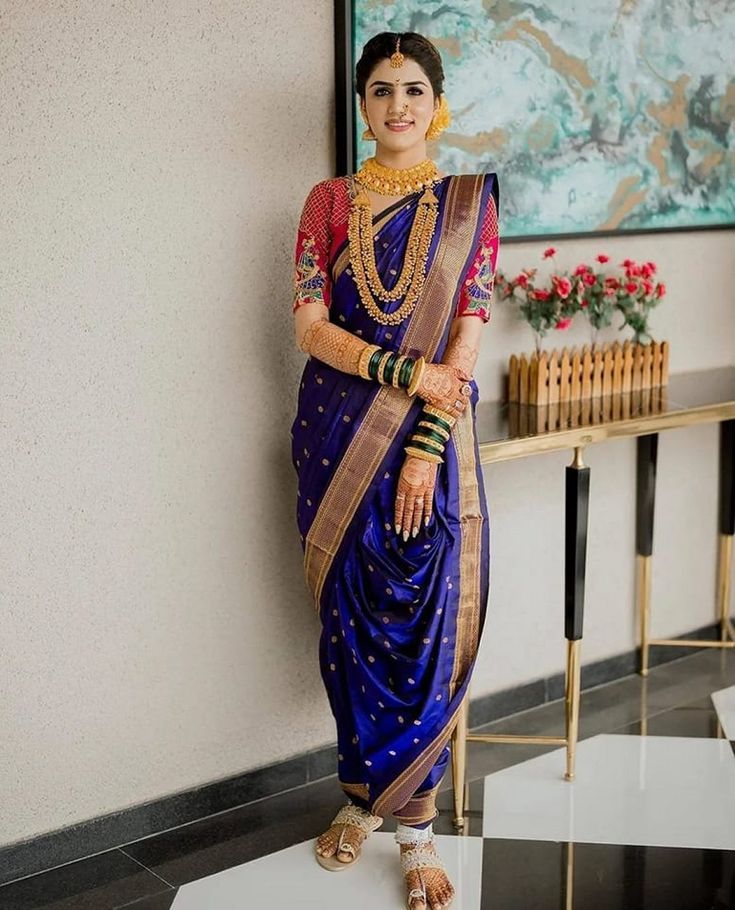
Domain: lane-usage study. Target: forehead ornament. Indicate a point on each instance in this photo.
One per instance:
(396, 58)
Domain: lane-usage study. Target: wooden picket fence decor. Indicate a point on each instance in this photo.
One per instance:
(610, 369)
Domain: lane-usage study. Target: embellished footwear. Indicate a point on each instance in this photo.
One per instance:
(427, 864)
(355, 817)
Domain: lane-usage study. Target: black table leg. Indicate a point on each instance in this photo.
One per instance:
(726, 527)
(575, 558)
(646, 461)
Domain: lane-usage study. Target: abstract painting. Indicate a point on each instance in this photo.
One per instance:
(600, 116)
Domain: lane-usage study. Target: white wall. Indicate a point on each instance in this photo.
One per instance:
(155, 631)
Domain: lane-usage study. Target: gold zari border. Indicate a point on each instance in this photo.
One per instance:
(470, 554)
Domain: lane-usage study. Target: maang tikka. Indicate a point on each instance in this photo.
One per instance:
(396, 58)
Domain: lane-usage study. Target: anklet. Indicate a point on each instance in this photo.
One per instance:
(405, 834)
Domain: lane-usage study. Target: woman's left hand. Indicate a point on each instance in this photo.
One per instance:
(415, 495)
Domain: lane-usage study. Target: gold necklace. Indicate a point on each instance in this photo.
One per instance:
(393, 181)
(413, 273)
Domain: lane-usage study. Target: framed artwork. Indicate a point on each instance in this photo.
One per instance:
(599, 116)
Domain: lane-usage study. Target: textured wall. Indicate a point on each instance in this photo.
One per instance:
(155, 629)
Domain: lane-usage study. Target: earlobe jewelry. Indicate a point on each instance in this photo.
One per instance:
(368, 133)
(441, 119)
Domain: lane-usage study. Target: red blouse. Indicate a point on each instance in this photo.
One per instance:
(323, 230)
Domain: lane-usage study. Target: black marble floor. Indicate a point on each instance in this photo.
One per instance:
(519, 872)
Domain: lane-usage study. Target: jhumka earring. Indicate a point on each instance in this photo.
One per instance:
(441, 119)
(368, 133)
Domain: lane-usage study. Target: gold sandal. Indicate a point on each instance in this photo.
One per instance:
(358, 818)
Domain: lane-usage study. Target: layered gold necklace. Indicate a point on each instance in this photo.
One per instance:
(389, 182)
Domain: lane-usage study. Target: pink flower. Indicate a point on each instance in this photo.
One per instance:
(631, 287)
(521, 280)
(660, 289)
(627, 263)
(563, 286)
(540, 294)
(647, 286)
(563, 323)
(549, 252)
(651, 267)
(612, 283)
(603, 258)
(589, 279)
(581, 269)
(646, 270)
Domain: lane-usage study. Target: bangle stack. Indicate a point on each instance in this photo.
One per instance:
(431, 435)
(391, 368)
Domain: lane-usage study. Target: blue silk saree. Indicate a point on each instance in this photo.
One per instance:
(401, 621)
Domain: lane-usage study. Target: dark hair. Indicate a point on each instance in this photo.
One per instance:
(413, 45)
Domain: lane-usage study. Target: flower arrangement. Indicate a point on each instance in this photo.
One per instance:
(552, 305)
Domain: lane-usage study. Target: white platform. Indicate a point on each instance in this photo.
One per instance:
(655, 790)
(724, 702)
(292, 879)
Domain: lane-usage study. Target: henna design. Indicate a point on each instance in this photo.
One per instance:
(461, 355)
(414, 495)
(441, 386)
(334, 346)
(311, 331)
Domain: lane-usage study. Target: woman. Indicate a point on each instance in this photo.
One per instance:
(393, 281)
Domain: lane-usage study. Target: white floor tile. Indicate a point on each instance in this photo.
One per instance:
(724, 702)
(292, 878)
(656, 790)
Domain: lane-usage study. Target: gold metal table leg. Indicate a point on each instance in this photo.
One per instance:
(643, 597)
(724, 566)
(571, 704)
(459, 761)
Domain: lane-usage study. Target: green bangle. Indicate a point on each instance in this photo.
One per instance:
(423, 446)
(404, 379)
(432, 418)
(373, 363)
(427, 441)
(428, 434)
(390, 365)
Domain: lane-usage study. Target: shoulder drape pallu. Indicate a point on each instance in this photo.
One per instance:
(401, 621)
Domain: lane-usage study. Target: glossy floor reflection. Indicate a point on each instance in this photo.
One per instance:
(649, 823)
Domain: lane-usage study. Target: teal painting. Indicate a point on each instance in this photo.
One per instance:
(600, 116)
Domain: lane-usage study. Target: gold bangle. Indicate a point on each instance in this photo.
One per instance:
(397, 370)
(437, 412)
(424, 440)
(381, 366)
(416, 376)
(436, 428)
(425, 456)
(367, 353)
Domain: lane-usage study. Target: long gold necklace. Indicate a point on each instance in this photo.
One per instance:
(413, 273)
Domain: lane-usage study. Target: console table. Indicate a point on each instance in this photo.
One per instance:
(507, 430)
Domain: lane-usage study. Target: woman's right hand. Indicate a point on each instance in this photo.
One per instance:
(446, 387)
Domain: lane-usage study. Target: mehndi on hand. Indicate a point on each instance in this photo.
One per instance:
(414, 495)
(445, 386)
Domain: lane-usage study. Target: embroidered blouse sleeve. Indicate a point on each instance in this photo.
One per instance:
(476, 293)
(312, 283)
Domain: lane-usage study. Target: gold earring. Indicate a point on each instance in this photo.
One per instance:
(441, 119)
(368, 134)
